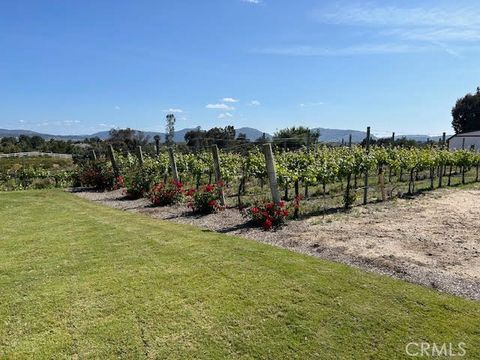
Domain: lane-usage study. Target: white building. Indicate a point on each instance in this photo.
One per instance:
(470, 140)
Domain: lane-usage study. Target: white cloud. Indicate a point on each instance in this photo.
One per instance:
(308, 104)
(220, 107)
(254, 103)
(21, 121)
(109, 126)
(117, 107)
(393, 30)
(392, 16)
(71, 122)
(225, 115)
(439, 26)
(435, 35)
(230, 100)
(173, 111)
(363, 49)
(256, 2)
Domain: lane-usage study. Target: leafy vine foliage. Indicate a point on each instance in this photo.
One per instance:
(319, 167)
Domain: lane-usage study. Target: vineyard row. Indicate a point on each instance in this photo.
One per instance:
(319, 167)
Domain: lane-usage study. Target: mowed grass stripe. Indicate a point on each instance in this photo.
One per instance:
(78, 279)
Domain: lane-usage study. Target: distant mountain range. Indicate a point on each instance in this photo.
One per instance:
(179, 136)
(326, 135)
(337, 135)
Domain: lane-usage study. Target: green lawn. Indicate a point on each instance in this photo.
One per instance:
(82, 281)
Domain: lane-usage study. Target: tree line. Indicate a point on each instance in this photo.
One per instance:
(24, 143)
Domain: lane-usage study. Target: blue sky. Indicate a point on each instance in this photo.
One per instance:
(85, 66)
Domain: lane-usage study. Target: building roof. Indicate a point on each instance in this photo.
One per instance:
(467, 134)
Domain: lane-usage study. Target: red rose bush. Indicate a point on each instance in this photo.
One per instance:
(164, 194)
(267, 214)
(205, 200)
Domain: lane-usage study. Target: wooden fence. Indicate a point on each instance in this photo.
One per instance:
(36, 154)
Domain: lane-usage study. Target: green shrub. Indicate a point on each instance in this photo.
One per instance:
(98, 175)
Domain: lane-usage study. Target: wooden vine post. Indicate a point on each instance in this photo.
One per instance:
(441, 167)
(367, 148)
(306, 182)
(450, 176)
(173, 164)
(348, 199)
(389, 168)
(440, 176)
(296, 186)
(218, 174)
(381, 181)
(478, 172)
(94, 155)
(140, 156)
(111, 153)
(157, 146)
(463, 168)
(272, 174)
(241, 185)
(432, 177)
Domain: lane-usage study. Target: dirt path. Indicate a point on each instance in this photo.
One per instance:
(432, 240)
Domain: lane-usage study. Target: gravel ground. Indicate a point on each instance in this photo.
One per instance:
(431, 240)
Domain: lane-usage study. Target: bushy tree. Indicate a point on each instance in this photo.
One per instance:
(127, 140)
(296, 137)
(222, 137)
(196, 138)
(26, 143)
(466, 113)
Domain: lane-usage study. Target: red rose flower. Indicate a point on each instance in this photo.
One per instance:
(209, 188)
(190, 192)
(267, 225)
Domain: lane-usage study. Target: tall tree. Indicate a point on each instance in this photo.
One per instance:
(466, 113)
(170, 129)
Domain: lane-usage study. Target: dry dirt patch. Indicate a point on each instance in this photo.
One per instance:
(432, 240)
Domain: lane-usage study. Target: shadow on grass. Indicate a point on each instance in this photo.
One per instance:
(83, 189)
(246, 225)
